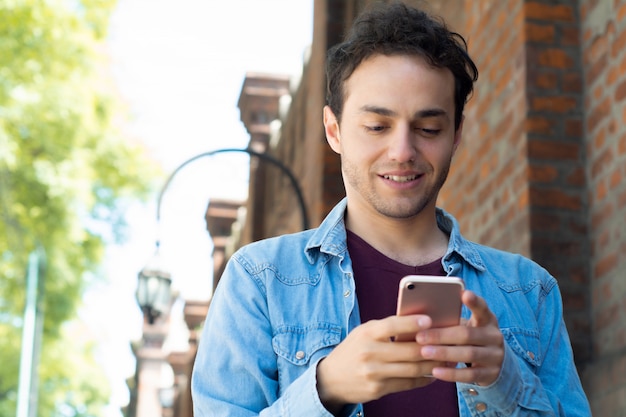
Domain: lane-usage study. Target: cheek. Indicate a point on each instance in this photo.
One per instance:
(437, 154)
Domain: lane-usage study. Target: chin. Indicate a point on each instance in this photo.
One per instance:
(401, 210)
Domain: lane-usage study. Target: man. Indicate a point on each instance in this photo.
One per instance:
(303, 325)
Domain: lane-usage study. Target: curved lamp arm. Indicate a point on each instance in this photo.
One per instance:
(262, 156)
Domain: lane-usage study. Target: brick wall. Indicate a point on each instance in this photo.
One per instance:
(604, 60)
(488, 189)
(523, 156)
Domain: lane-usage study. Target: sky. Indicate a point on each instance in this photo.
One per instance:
(180, 66)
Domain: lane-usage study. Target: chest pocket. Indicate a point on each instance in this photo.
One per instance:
(525, 344)
(298, 347)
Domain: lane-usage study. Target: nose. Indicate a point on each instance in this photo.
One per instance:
(402, 146)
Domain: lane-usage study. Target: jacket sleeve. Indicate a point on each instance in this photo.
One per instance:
(235, 371)
(548, 387)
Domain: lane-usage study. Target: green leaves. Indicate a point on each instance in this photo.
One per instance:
(65, 164)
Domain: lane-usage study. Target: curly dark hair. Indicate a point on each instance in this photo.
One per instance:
(397, 29)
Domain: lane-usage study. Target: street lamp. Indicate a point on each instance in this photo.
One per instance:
(153, 290)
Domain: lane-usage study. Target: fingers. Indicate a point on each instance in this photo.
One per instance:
(478, 343)
(393, 326)
(481, 314)
(380, 366)
(484, 362)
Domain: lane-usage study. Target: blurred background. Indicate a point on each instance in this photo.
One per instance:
(100, 101)
(114, 111)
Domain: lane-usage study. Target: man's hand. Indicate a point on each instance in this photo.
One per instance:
(479, 343)
(368, 365)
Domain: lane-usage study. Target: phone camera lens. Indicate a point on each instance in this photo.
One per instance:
(411, 286)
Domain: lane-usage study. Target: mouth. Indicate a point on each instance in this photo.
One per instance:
(401, 178)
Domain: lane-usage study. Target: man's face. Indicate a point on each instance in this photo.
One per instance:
(397, 136)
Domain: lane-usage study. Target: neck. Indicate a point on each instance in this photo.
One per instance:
(414, 241)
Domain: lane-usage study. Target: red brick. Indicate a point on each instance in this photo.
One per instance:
(597, 69)
(557, 104)
(600, 217)
(619, 44)
(540, 125)
(612, 127)
(598, 50)
(620, 16)
(616, 178)
(538, 149)
(621, 201)
(584, 10)
(570, 36)
(574, 128)
(604, 160)
(542, 173)
(620, 91)
(539, 32)
(598, 114)
(554, 198)
(613, 75)
(622, 65)
(545, 81)
(541, 11)
(555, 58)
(503, 82)
(598, 92)
(601, 191)
(598, 140)
(572, 82)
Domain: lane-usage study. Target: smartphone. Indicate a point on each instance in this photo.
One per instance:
(436, 296)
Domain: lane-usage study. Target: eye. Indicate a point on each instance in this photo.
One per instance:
(375, 128)
(429, 132)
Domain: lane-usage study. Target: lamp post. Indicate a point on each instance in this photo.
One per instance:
(153, 288)
(263, 157)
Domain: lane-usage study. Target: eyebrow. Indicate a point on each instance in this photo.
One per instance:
(383, 111)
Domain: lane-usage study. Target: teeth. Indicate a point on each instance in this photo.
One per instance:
(398, 178)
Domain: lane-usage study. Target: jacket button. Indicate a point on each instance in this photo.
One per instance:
(530, 355)
(346, 294)
(472, 392)
(481, 407)
(359, 414)
(299, 354)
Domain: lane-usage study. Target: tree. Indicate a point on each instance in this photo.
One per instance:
(66, 172)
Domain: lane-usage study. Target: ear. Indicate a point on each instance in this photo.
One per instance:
(458, 134)
(331, 127)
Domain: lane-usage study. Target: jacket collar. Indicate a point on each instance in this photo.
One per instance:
(330, 237)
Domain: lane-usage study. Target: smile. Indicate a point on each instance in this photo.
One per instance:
(401, 178)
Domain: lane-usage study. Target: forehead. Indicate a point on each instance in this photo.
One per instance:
(399, 82)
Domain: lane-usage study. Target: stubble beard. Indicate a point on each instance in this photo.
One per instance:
(397, 208)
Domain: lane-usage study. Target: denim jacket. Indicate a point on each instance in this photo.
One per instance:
(284, 303)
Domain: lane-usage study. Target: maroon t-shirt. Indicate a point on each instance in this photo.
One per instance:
(377, 279)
